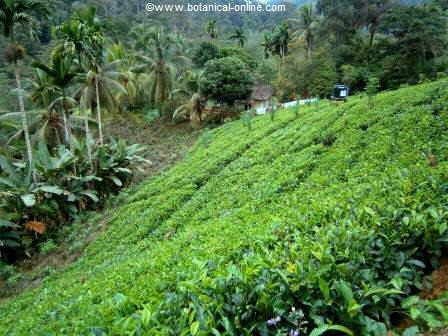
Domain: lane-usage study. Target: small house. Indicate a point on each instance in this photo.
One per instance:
(260, 99)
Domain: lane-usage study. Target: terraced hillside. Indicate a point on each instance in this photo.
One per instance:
(328, 219)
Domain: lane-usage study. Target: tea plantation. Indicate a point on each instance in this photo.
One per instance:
(325, 220)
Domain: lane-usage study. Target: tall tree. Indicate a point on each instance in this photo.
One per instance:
(239, 36)
(419, 39)
(83, 37)
(308, 21)
(61, 72)
(160, 70)
(98, 90)
(212, 29)
(280, 40)
(189, 88)
(376, 13)
(267, 45)
(12, 14)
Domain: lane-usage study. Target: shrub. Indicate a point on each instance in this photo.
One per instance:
(242, 54)
(226, 80)
(206, 51)
(66, 183)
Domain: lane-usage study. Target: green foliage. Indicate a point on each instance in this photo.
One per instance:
(66, 184)
(354, 77)
(316, 76)
(206, 51)
(431, 313)
(247, 118)
(9, 237)
(242, 54)
(212, 29)
(420, 31)
(265, 226)
(372, 88)
(226, 80)
(151, 115)
(48, 247)
(239, 36)
(277, 43)
(19, 12)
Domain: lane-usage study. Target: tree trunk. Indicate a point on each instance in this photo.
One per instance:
(372, 37)
(64, 118)
(88, 137)
(66, 134)
(98, 111)
(24, 118)
(309, 46)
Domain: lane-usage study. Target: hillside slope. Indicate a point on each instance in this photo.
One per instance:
(330, 216)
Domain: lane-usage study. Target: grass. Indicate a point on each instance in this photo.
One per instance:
(330, 218)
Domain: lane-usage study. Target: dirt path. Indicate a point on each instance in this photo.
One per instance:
(166, 143)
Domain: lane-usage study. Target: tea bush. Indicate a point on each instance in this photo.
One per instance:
(323, 222)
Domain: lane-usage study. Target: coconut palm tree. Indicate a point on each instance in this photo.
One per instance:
(43, 124)
(133, 82)
(192, 109)
(98, 89)
(46, 122)
(19, 13)
(239, 36)
(161, 71)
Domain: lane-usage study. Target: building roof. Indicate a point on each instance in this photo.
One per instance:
(262, 93)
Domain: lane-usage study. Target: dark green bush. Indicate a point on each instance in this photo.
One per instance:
(226, 80)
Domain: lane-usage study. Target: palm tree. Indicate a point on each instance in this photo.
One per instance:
(98, 89)
(46, 122)
(280, 40)
(13, 13)
(267, 45)
(161, 72)
(43, 94)
(239, 36)
(60, 72)
(212, 29)
(43, 124)
(192, 109)
(132, 82)
(307, 26)
(18, 12)
(82, 35)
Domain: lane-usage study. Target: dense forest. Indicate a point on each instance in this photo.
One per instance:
(83, 81)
